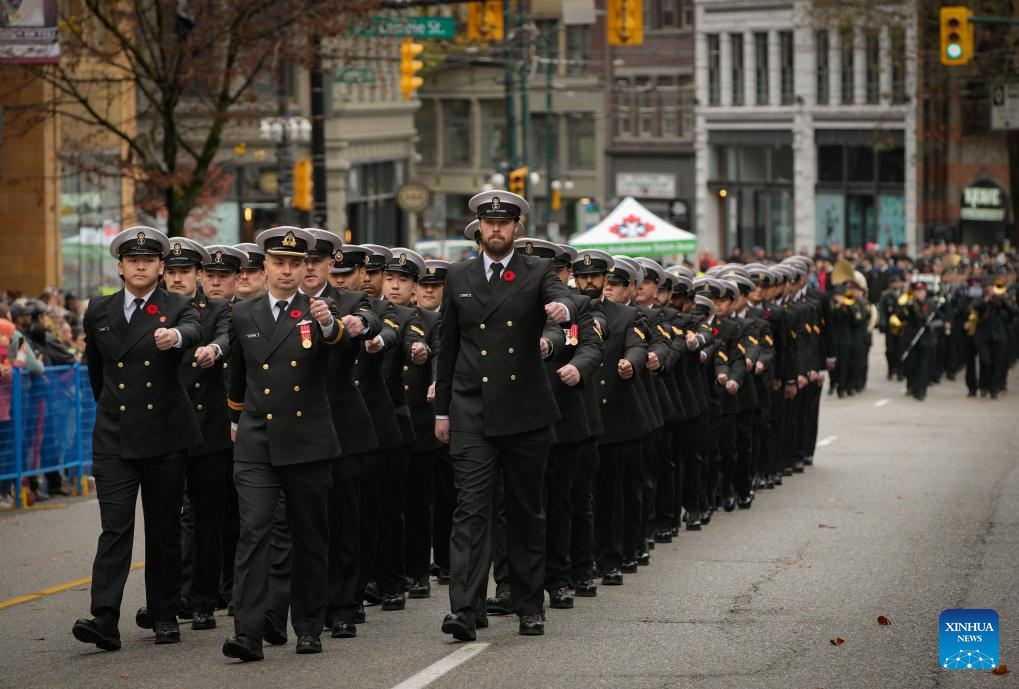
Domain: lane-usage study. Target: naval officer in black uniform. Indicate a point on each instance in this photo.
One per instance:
(285, 440)
(494, 405)
(143, 429)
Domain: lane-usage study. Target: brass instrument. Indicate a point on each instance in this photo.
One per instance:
(971, 322)
(1000, 288)
(850, 297)
(842, 272)
(906, 298)
(895, 325)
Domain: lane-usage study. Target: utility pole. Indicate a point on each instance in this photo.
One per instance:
(549, 120)
(284, 154)
(511, 123)
(320, 212)
(525, 95)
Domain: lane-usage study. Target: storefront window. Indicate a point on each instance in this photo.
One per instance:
(424, 123)
(493, 133)
(456, 132)
(861, 163)
(90, 215)
(829, 163)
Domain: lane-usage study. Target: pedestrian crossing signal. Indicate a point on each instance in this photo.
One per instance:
(410, 82)
(956, 35)
(302, 185)
(625, 22)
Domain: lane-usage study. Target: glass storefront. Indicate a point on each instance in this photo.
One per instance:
(757, 183)
(90, 216)
(372, 214)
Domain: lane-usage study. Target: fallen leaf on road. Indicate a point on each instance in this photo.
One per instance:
(826, 526)
(1000, 670)
(900, 497)
(122, 676)
(883, 620)
(837, 641)
(39, 638)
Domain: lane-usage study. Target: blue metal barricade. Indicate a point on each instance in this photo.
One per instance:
(46, 425)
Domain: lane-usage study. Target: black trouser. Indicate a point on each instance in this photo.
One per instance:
(711, 462)
(392, 473)
(161, 480)
(582, 501)
(419, 496)
(761, 422)
(893, 350)
(614, 461)
(668, 484)
(842, 374)
(728, 450)
(345, 540)
(633, 500)
(689, 468)
(476, 459)
(773, 447)
(206, 478)
(969, 354)
(445, 504)
(560, 473)
(812, 412)
(231, 531)
(649, 483)
(993, 365)
(790, 436)
(277, 608)
(368, 519)
(918, 365)
(306, 488)
(743, 475)
(187, 543)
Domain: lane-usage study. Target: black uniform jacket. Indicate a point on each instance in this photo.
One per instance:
(419, 377)
(369, 380)
(207, 386)
(142, 408)
(491, 378)
(278, 395)
(586, 355)
(623, 414)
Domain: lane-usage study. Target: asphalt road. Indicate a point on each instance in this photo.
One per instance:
(911, 508)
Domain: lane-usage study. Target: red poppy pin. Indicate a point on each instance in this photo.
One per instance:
(295, 314)
(509, 276)
(152, 309)
(714, 331)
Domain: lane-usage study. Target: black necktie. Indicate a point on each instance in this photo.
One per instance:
(496, 274)
(282, 306)
(138, 301)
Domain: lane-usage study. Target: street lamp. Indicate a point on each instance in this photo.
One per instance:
(283, 131)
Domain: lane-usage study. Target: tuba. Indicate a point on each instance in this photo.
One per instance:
(842, 272)
(894, 325)
(971, 322)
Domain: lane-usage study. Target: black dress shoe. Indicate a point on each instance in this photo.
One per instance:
(560, 599)
(372, 596)
(203, 619)
(693, 524)
(663, 536)
(442, 577)
(242, 648)
(143, 619)
(394, 601)
(787, 471)
(729, 504)
(230, 609)
(798, 466)
(777, 478)
(273, 634)
(458, 627)
(433, 570)
(499, 604)
(308, 644)
(612, 577)
(167, 632)
(971, 393)
(629, 566)
(745, 503)
(650, 544)
(808, 461)
(481, 621)
(532, 625)
(102, 633)
(586, 588)
(222, 603)
(359, 616)
(769, 483)
(420, 588)
(643, 558)
(344, 630)
(675, 531)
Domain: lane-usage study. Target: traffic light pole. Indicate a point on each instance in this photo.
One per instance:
(320, 212)
(549, 119)
(511, 119)
(525, 100)
(284, 155)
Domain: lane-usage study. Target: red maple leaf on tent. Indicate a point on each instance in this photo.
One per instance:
(632, 227)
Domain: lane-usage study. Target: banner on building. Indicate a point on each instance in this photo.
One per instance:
(28, 31)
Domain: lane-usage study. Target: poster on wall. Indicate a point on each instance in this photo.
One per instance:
(831, 219)
(28, 31)
(891, 220)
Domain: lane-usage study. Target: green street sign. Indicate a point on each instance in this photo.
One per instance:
(354, 75)
(414, 27)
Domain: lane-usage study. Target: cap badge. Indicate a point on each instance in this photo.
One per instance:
(141, 238)
(403, 259)
(529, 248)
(367, 259)
(176, 249)
(587, 259)
(290, 240)
(496, 205)
(431, 270)
(338, 256)
(219, 257)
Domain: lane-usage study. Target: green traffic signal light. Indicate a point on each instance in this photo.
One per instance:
(954, 51)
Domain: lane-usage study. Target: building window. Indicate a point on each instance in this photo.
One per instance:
(736, 43)
(624, 113)
(456, 133)
(873, 52)
(578, 49)
(898, 59)
(667, 14)
(539, 141)
(788, 62)
(493, 133)
(821, 47)
(424, 124)
(714, 69)
(580, 134)
(761, 67)
(848, 66)
(645, 108)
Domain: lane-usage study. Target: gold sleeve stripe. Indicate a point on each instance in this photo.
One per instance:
(767, 338)
(392, 324)
(723, 356)
(741, 348)
(677, 330)
(663, 331)
(236, 406)
(639, 333)
(753, 339)
(339, 333)
(418, 330)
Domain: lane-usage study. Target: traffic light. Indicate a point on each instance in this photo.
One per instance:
(625, 22)
(518, 181)
(485, 21)
(302, 185)
(409, 67)
(956, 35)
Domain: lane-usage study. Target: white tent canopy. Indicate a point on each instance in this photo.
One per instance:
(631, 229)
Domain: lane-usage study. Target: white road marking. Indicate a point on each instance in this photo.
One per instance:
(881, 403)
(441, 667)
(827, 440)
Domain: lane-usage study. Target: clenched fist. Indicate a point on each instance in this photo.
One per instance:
(418, 353)
(653, 364)
(374, 345)
(556, 312)
(569, 375)
(320, 312)
(625, 369)
(165, 338)
(353, 325)
(205, 356)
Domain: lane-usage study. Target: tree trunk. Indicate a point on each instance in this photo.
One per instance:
(1013, 180)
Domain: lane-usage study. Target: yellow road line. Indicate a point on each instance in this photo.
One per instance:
(11, 602)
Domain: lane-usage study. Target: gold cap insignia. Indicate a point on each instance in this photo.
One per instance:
(176, 249)
(496, 205)
(219, 257)
(587, 259)
(141, 239)
(290, 240)
(367, 259)
(432, 270)
(338, 256)
(529, 248)
(403, 259)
